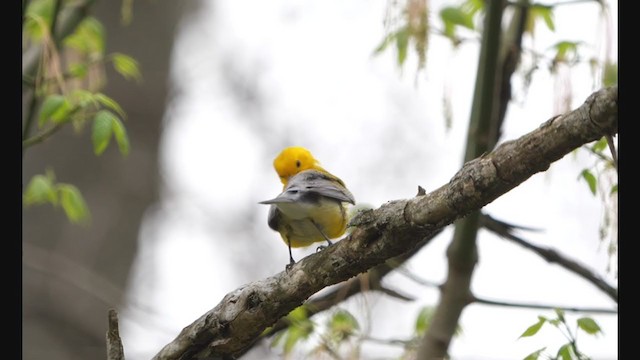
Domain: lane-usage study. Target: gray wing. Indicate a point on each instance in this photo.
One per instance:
(274, 217)
(316, 182)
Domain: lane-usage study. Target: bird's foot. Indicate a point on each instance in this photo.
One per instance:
(289, 266)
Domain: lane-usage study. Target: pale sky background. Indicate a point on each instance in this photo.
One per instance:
(255, 76)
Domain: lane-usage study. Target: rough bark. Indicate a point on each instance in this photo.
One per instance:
(391, 230)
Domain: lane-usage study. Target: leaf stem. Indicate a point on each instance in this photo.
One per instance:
(30, 115)
(36, 139)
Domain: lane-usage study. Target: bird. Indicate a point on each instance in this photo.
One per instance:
(312, 206)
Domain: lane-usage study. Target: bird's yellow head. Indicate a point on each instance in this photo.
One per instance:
(292, 160)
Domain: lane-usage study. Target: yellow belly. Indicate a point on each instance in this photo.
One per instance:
(298, 228)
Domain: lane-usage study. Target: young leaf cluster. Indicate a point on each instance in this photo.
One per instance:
(568, 351)
(65, 88)
(43, 189)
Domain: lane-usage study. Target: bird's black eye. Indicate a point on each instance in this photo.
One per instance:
(297, 163)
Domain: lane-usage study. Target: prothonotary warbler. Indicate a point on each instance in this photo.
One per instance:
(313, 204)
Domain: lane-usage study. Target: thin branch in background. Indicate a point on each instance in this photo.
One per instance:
(50, 55)
(543, 306)
(372, 281)
(415, 278)
(45, 134)
(478, 300)
(390, 231)
(29, 117)
(551, 256)
(31, 57)
(595, 153)
(612, 148)
(54, 17)
(394, 342)
(36, 139)
(552, 5)
(462, 251)
(59, 268)
(395, 294)
(68, 23)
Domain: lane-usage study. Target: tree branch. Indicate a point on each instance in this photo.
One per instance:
(372, 279)
(553, 256)
(484, 301)
(462, 252)
(391, 230)
(542, 306)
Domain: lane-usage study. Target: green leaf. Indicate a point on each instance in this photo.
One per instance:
(342, 325)
(590, 179)
(78, 70)
(610, 76)
(38, 18)
(73, 203)
(298, 314)
(40, 190)
(402, 43)
(120, 133)
(126, 66)
(565, 352)
(300, 329)
(545, 12)
(614, 189)
(535, 355)
(296, 334)
(600, 145)
(52, 104)
(555, 322)
(566, 48)
(63, 114)
(471, 7)
(589, 325)
(456, 16)
(385, 42)
(110, 103)
(423, 320)
(102, 129)
(533, 329)
(84, 98)
(88, 38)
(450, 31)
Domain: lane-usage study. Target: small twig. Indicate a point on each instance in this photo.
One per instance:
(36, 139)
(551, 256)
(48, 132)
(612, 148)
(30, 115)
(595, 153)
(54, 17)
(394, 293)
(395, 342)
(115, 350)
(552, 5)
(484, 301)
(543, 306)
